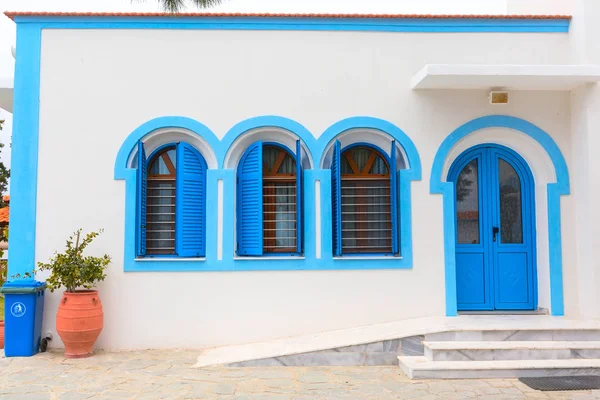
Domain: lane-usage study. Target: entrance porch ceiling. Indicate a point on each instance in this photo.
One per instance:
(505, 77)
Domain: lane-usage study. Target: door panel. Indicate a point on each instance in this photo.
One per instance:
(473, 266)
(512, 281)
(514, 249)
(495, 230)
(472, 285)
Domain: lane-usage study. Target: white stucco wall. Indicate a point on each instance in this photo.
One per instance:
(585, 123)
(99, 85)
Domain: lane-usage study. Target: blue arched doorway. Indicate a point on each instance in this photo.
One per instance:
(495, 230)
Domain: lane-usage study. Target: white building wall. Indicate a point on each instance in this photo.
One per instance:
(585, 124)
(99, 85)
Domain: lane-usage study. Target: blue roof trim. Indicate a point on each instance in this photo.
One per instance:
(302, 24)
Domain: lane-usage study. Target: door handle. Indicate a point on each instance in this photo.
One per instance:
(495, 231)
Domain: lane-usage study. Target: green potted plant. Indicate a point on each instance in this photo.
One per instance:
(80, 318)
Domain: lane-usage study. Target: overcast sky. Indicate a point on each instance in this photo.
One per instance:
(7, 27)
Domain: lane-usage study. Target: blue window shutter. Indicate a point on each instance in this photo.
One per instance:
(393, 198)
(336, 198)
(142, 186)
(250, 202)
(190, 202)
(299, 197)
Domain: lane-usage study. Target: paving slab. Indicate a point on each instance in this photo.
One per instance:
(168, 374)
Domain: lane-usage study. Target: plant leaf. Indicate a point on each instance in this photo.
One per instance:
(175, 6)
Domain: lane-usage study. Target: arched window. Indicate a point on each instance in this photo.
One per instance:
(269, 201)
(160, 217)
(171, 214)
(279, 200)
(364, 200)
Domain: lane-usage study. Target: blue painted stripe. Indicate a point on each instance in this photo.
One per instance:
(212, 210)
(24, 165)
(302, 24)
(439, 185)
(555, 244)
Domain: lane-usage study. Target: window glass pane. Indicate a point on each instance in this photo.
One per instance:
(271, 155)
(345, 168)
(360, 155)
(511, 222)
(164, 163)
(288, 166)
(379, 166)
(467, 204)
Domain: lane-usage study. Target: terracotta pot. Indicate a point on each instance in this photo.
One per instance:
(1, 334)
(79, 322)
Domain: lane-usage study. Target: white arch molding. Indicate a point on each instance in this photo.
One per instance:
(160, 137)
(366, 135)
(266, 134)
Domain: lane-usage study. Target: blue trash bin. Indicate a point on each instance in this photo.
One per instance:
(23, 316)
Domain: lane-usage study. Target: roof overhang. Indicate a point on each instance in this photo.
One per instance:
(506, 77)
(6, 95)
(16, 14)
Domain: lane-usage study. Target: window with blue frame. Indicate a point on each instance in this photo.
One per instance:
(364, 200)
(269, 200)
(171, 202)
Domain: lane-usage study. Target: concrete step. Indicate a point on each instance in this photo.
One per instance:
(574, 335)
(421, 368)
(510, 350)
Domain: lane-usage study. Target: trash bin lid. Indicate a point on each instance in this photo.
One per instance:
(23, 287)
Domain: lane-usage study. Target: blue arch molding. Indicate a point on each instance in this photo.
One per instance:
(381, 24)
(263, 121)
(555, 190)
(405, 177)
(189, 124)
(228, 261)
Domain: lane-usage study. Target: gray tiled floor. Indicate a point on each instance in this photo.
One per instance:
(168, 375)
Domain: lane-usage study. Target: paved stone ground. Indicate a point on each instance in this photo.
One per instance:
(168, 375)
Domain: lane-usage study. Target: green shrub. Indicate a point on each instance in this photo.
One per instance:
(72, 269)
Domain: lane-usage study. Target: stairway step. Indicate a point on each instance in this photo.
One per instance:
(510, 350)
(516, 335)
(422, 368)
(512, 345)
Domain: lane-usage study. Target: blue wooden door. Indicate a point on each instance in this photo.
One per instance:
(495, 230)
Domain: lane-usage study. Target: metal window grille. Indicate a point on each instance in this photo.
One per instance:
(279, 216)
(160, 218)
(366, 216)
